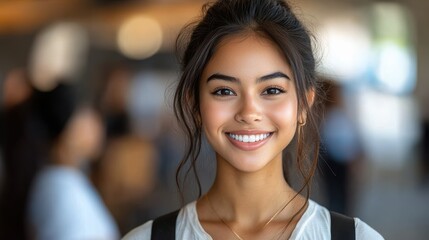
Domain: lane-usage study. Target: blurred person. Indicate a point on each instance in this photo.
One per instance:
(340, 148)
(63, 203)
(150, 119)
(16, 88)
(249, 87)
(112, 91)
(21, 153)
(424, 156)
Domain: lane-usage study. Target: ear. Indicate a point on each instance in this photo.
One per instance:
(310, 95)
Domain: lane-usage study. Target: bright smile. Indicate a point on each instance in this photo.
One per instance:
(249, 138)
(248, 141)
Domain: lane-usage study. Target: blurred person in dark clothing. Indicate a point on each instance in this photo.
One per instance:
(112, 99)
(340, 147)
(19, 143)
(425, 152)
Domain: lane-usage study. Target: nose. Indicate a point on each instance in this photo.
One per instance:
(249, 111)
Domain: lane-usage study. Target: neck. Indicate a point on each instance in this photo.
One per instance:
(250, 198)
(60, 155)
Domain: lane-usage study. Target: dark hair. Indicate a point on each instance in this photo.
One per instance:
(32, 128)
(54, 108)
(272, 19)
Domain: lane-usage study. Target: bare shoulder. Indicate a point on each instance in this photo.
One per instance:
(142, 232)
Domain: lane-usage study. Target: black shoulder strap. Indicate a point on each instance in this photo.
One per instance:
(342, 227)
(164, 227)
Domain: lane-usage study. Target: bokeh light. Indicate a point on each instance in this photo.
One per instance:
(59, 53)
(139, 37)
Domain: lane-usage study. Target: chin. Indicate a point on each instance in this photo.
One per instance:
(249, 164)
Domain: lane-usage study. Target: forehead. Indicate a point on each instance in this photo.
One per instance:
(249, 55)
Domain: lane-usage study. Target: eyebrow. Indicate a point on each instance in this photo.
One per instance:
(272, 76)
(261, 79)
(222, 77)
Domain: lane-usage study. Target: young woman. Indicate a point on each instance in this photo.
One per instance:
(249, 86)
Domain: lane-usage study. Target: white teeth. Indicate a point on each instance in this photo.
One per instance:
(249, 138)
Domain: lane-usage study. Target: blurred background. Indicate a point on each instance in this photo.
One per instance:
(118, 57)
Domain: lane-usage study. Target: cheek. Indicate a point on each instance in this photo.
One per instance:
(284, 114)
(214, 114)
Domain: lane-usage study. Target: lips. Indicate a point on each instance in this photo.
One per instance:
(248, 140)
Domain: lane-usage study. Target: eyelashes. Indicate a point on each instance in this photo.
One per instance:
(223, 91)
(273, 90)
(269, 91)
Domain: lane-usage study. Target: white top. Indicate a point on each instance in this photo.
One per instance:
(65, 206)
(315, 223)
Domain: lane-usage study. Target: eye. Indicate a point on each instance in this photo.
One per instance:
(273, 91)
(223, 92)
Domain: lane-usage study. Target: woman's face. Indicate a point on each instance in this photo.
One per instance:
(84, 134)
(248, 102)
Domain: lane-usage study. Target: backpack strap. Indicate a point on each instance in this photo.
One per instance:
(342, 227)
(164, 227)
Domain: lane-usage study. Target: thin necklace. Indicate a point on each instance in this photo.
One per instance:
(283, 230)
(232, 230)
